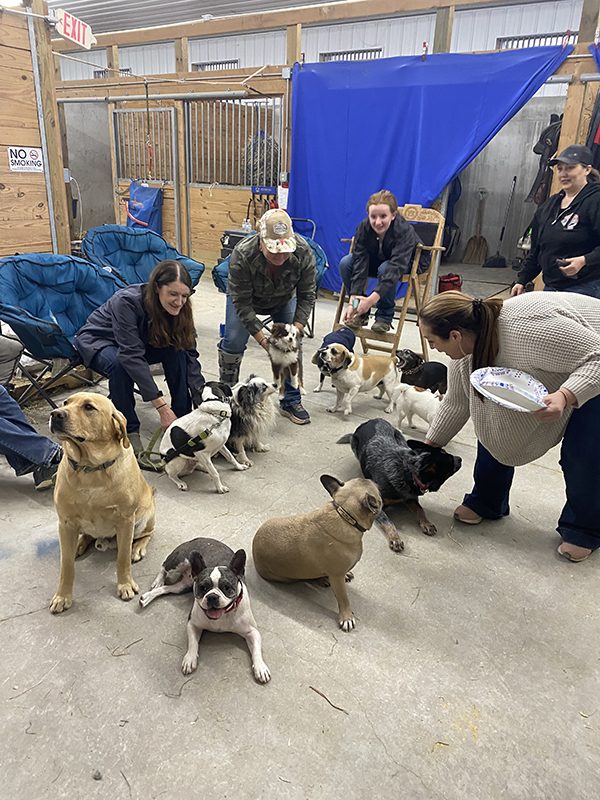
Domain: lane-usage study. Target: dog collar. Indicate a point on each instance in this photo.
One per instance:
(236, 602)
(411, 371)
(420, 484)
(76, 466)
(347, 517)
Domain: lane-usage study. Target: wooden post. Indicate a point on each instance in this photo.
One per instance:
(590, 18)
(51, 126)
(294, 43)
(182, 62)
(62, 124)
(113, 163)
(112, 61)
(182, 174)
(442, 37)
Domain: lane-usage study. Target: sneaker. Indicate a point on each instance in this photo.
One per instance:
(298, 414)
(136, 442)
(381, 326)
(358, 322)
(44, 475)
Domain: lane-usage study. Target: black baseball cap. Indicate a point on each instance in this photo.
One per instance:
(574, 154)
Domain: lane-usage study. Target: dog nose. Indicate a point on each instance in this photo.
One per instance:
(213, 600)
(274, 385)
(58, 413)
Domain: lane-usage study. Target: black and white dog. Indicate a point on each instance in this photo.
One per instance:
(253, 417)
(342, 336)
(415, 371)
(221, 602)
(286, 355)
(402, 470)
(208, 427)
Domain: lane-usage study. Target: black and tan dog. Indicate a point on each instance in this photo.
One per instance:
(415, 371)
(100, 492)
(402, 470)
(322, 545)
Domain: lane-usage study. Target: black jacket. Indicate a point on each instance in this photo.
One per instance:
(123, 322)
(565, 233)
(397, 249)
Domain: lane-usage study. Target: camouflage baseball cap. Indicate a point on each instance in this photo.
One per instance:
(276, 231)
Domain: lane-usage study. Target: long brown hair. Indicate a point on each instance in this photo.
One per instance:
(383, 198)
(167, 330)
(456, 311)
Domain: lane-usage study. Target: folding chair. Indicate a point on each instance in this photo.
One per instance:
(430, 224)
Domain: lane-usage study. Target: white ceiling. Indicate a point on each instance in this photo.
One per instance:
(118, 15)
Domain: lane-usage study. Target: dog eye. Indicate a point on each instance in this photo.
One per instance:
(89, 407)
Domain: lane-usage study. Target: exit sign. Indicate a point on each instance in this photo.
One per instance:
(73, 29)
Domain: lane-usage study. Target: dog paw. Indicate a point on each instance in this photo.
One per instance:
(261, 672)
(246, 465)
(317, 389)
(189, 664)
(428, 528)
(262, 448)
(137, 553)
(59, 604)
(347, 624)
(331, 409)
(349, 576)
(323, 581)
(388, 409)
(127, 591)
(222, 489)
(396, 544)
(182, 487)
(145, 599)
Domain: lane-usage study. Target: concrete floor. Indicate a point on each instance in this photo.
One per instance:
(472, 672)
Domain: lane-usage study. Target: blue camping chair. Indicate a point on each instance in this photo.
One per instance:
(46, 299)
(133, 253)
(220, 275)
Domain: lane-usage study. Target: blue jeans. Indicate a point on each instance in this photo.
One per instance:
(120, 384)
(236, 338)
(23, 447)
(591, 288)
(579, 521)
(385, 306)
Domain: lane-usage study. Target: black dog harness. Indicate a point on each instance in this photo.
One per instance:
(77, 466)
(190, 446)
(347, 517)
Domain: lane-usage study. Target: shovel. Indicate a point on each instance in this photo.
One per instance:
(477, 246)
(499, 261)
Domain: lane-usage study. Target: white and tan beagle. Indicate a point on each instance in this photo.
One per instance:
(351, 374)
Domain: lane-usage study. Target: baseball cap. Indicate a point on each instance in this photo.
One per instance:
(574, 154)
(276, 231)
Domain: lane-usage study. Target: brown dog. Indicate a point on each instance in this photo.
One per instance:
(323, 544)
(100, 492)
(285, 354)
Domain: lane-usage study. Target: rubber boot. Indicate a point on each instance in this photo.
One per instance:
(229, 367)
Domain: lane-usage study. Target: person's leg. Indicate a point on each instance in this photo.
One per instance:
(386, 304)
(291, 402)
(489, 497)
(175, 367)
(345, 270)
(22, 445)
(120, 385)
(591, 288)
(232, 346)
(579, 523)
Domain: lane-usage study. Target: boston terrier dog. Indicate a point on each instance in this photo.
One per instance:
(221, 602)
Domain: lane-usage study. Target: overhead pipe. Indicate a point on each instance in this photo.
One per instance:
(136, 98)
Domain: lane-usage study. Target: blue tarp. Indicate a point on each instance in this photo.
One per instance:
(401, 124)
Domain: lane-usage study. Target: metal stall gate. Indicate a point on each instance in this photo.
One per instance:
(145, 147)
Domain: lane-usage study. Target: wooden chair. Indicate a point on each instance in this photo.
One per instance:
(418, 286)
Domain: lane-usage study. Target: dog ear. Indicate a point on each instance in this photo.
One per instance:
(238, 563)
(372, 502)
(196, 563)
(421, 447)
(226, 389)
(331, 484)
(120, 424)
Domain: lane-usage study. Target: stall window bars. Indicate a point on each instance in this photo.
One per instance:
(140, 156)
(235, 142)
(201, 66)
(102, 74)
(352, 55)
(535, 40)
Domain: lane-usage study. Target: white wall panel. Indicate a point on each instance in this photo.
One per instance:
(75, 70)
(149, 59)
(398, 36)
(252, 49)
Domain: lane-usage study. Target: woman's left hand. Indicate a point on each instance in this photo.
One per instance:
(167, 417)
(555, 405)
(573, 266)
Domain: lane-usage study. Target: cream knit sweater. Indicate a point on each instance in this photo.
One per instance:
(554, 336)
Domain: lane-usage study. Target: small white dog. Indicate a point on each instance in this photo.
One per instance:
(412, 401)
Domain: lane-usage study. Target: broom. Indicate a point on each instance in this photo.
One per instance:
(477, 246)
(498, 260)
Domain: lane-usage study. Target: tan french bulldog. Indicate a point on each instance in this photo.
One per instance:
(323, 544)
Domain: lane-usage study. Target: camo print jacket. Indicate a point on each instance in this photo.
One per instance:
(253, 291)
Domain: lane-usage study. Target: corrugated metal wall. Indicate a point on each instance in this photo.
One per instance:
(75, 70)
(149, 59)
(252, 49)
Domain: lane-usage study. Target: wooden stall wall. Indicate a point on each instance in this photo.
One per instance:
(24, 216)
(168, 210)
(212, 211)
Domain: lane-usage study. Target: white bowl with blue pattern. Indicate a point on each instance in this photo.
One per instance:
(510, 388)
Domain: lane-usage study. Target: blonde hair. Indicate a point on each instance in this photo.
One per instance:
(457, 311)
(385, 198)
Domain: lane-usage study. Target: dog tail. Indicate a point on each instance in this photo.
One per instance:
(346, 439)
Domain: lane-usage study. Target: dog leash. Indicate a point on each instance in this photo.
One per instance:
(193, 443)
(347, 517)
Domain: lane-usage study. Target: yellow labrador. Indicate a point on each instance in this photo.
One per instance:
(100, 492)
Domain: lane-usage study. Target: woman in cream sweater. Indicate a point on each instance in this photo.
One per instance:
(556, 338)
